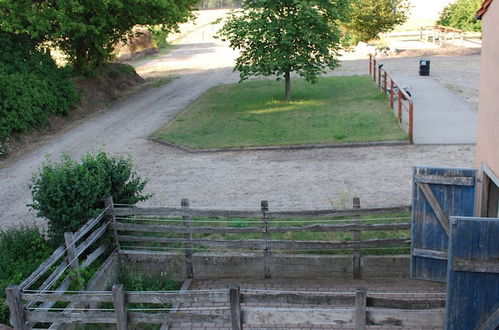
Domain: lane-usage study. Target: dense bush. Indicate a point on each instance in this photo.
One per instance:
(69, 193)
(32, 87)
(461, 15)
(21, 251)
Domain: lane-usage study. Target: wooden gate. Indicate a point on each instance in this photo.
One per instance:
(473, 276)
(438, 194)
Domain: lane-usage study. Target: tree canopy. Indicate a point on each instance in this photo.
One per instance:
(370, 18)
(277, 37)
(461, 15)
(86, 30)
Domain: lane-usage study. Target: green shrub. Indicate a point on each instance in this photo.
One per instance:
(69, 193)
(159, 35)
(22, 250)
(32, 87)
(461, 15)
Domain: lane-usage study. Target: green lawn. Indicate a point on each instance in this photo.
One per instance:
(336, 110)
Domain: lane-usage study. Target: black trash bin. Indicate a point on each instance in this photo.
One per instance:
(424, 67)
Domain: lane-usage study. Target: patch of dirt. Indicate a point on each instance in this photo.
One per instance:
(98, 92)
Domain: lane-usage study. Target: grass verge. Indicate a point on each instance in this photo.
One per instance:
(336, 110)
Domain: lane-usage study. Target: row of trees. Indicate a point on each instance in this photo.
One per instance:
(277, 37)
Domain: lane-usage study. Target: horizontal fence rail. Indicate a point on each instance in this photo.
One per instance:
(400, 101)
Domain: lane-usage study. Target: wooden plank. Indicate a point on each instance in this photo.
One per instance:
(134, 317)
(300, 298)
(175, 307)
(360, 309)
(89, 225)
(77, 297)
(435, 205)
(235, 307)
(343, 227)
(72, 257)
(189, 269)
(56, 255)
(17, 313)
(91, 239)
(120, 307)
(298, 316)
(492, 323)
(413, 303)
(178, 212)
(188, 297)
(476, 265)
(146, 228)
(95, 255)
(426, 253)
(275, 244)
(267, 254)
(445, 180)
(56, 273)
(399, 317)
(109, 203)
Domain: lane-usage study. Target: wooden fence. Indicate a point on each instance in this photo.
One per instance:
(34, 300)
(239, 307)
(400, 101)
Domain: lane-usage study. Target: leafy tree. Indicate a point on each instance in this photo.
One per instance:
(69, 193)
(86, 30)
(370, 18)
(461, 15)
(277, 37)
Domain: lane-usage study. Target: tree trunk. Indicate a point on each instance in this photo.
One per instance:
(287, 96)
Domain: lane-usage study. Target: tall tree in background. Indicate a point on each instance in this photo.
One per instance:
(369, 18)
(277, 37)
(461, 15)
(86, 30)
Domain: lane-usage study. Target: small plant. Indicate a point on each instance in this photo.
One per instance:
(21, 251)
(69, 193)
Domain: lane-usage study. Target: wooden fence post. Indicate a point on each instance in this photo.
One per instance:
(370, 64)
(374, 69)
(411, 122)
(108, 202)
(120, 307)
(400, 105)
(235, 307)
(266, 253)
(71, 254)
(189, 269)
(385, 77)
(357, 253)
(379, 75)
(360, 309)
(17, 314)
(391, 93)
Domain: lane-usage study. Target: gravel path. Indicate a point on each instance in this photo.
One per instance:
(300, 179)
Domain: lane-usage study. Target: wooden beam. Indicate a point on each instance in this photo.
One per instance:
(439, 212)
(56, 255)
(312, 316)
(360, 309)
(476, 265)
(414, 303)
(434, 254)
(299, 298)
(189, 269)
(235, 307)
(120, 307)
(17, 312)
(492, 323)
(445, 180)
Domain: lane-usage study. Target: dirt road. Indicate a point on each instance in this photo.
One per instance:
(381, 176)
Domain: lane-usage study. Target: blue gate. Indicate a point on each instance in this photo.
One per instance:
(438, 194)
(473, 275)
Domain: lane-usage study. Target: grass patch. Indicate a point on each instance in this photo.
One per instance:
(336, 110)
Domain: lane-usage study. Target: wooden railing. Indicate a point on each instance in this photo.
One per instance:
(34, 299)
(400, 101)
(238, 307)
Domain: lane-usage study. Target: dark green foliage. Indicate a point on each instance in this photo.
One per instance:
(370, 18)
(32, 87)
(276, 37)
(22, 250)
(87, 30)
(461, 15)
(69, 193)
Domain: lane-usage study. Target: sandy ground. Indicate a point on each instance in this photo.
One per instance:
(303, 179)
